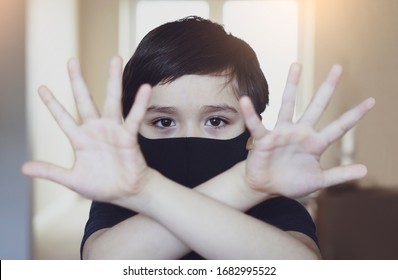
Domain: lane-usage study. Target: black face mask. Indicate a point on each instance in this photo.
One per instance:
(192, 161)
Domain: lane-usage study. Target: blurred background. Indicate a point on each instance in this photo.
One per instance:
(41, 220)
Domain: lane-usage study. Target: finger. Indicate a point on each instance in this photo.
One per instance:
(83, 99)
(252, 121)
(347, 121)
(61, 116)
(289, 95)
(342, 174)
(112, 107)
(137, 112)
(47, 171)
(322, 98)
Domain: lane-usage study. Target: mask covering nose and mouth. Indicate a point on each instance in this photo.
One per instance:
(192, 161)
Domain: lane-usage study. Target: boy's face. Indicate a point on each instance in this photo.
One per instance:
(193, 106)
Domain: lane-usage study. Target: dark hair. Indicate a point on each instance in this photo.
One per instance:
(194, 45)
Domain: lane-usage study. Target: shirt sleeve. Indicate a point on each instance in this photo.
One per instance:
(285, 214)
(103, 215)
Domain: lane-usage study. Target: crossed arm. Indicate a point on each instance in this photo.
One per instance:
(276, 160)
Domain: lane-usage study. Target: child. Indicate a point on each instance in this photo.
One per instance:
(192, 156)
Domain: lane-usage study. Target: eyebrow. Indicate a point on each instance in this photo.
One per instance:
(160, 109)
(207, 109)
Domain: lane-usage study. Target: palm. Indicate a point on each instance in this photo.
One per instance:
(286, 160)
(290, 159)
(106, 156)
(108, 161)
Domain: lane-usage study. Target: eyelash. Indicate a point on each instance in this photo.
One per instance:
(157, 122)
(225, 122)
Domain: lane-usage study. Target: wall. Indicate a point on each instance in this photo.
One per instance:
(51, 39)
(362, 35)
(15, 189)
(57, 31)
(98, 42)
(356, 222)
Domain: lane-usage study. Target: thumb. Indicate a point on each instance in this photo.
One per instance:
(342, 174)
(47, 171)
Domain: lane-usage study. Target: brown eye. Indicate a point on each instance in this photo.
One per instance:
(163, 123)
(216, 122)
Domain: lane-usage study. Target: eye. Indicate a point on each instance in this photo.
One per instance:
(216, 122)
(164, 123)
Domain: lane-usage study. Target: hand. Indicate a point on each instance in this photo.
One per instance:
(286, 160)
(108, 161)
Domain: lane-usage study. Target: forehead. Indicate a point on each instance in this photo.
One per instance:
(195, 89)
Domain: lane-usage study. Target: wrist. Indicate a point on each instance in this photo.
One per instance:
(142, 196)
(232, 189)
(247, 188)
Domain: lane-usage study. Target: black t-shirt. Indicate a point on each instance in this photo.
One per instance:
(283, 213)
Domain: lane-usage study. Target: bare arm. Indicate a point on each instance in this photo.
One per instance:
(213, 229)
(146, 234)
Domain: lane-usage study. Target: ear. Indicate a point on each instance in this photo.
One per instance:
(250, 143)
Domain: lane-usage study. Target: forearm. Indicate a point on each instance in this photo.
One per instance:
(213, 229)
(136, 237)
(141, 237)
(232, 189)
